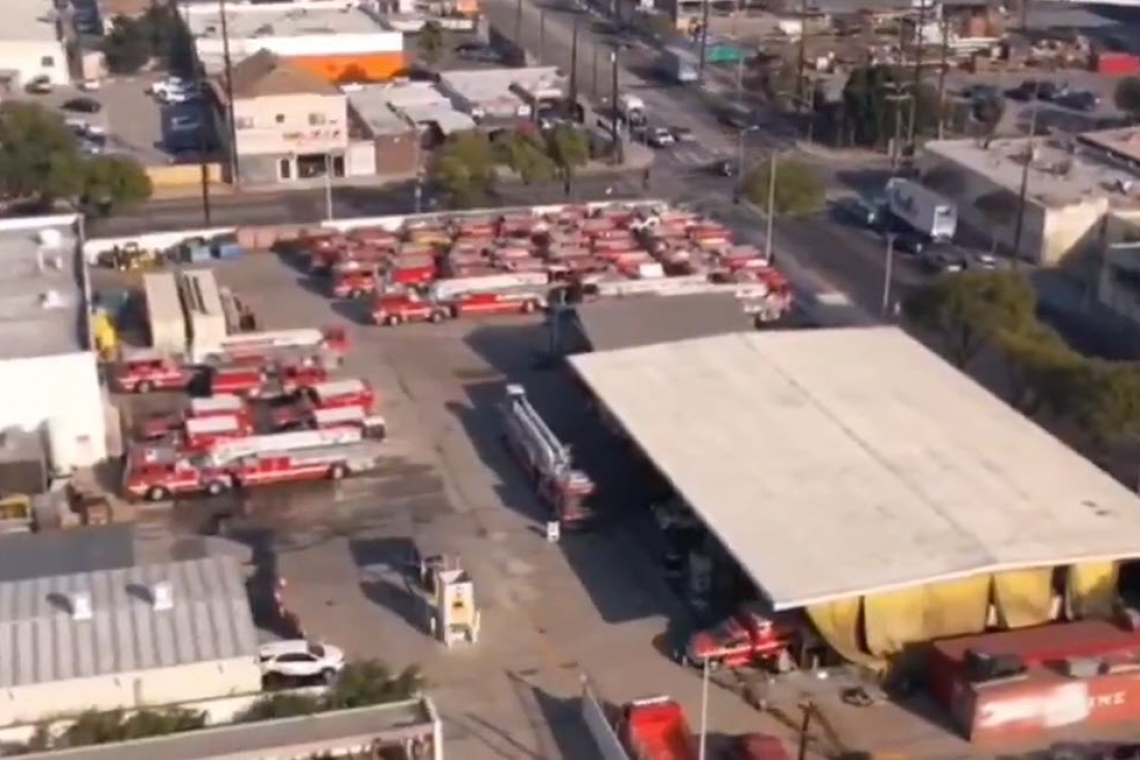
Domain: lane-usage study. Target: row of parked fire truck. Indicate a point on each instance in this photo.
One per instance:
(261, 408)
(441, 268)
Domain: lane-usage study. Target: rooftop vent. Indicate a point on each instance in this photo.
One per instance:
(80, 605)
(162, 596)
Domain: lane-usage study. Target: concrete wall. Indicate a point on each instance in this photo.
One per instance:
(160, 686)
(259, 169)
(64, 387)
(181, 175)
(397, 154)
(284, 124)
(28, 58)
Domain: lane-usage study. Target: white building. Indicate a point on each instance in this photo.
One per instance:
(127, 637)
(1070, 191)
(49, 380)
(30, 43)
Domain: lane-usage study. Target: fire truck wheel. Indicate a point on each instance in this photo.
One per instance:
(337, 472)
(437, 316)
(529, 306)
(392, 320)
(215, 488)
(157, 493)
(144, 386)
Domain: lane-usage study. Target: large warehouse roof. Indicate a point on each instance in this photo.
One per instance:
(833, 463)
(614, 323)
(42, 640)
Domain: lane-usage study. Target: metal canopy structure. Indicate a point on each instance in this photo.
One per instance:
(835, 463)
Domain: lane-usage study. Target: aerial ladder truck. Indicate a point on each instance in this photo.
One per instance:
(548, 460)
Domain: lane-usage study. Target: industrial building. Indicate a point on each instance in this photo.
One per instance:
(339, 41)
(289, 123)
(49, 377)
(31, 45)
(82, 627)
(892, 501)
(1070, 190)
(503, 94)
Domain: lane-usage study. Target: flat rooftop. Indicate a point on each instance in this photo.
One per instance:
(610, 324)
(494, 89)
(1123, 143)
(308, 736)
(1057, 176)
(29, 20)
(41, 297)
(246, 21)
(385, 106)
(834, 463)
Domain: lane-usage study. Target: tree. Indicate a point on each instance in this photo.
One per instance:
(465, 168)
(1041, 369)
(1127, 96)
(970, 308)
(39, 161)
(569, 148)
(1107, 400)
(430, 43)
(873, 111)
(799, 187)
(280, 705)
(999, 208)
(370, 682)
(128, 46)
(111, 182)
(524, 153)
(106, 726)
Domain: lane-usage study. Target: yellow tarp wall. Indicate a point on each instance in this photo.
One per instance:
(1090, 589)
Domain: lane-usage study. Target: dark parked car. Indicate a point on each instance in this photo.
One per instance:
(724, 167)
(860, 211)
(83, 105)
(1050, 91)
(1080, 100)
(980, 92)
(1024, 91)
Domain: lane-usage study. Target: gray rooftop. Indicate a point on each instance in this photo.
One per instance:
(66, 552)
(29, 20)
(41, 299)
(615, 323)
(41, 642)
(280, 20)
(308, 736)
(1057, 176)
(837, 462)
(420, 102)
(493, 90)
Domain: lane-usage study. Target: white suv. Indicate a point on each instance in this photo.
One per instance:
(298, 658)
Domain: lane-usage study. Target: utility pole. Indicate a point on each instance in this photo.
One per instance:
(704, 40)
(805, 725)
(919, 35)
(1023, 192)
(704, 710)
(897, 96)
(518, 30)
(614, 108)
(942, 74)
(801, 72)
(594, 87)
(887, 274)
(542, 29)
(227, 62)
(204, 114)
(574, 65)
(329, 215)
(771, 206)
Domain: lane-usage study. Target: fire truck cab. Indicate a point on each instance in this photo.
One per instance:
(210, 406)
(148, 371)
(160, 473)
(393, 309)
(203, 432)
(353, 280)
(753, 635)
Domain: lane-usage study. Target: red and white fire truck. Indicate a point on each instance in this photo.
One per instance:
(753, 635)
(371, 425)
(396, 308)
(159, 473)
(162, 425)
(265, 381)
(202, 433)
(274, 346)
(145, 371)
(352, 280)
(334, 394)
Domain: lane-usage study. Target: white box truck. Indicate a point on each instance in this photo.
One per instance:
(922, 209)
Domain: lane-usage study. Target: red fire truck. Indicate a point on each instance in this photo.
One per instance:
(753, 635)
(147, 371)
(333, 394)
(475, 304)
(354, 281)
(260, 381)
(210, 406)
(201, 433)
(397, 308)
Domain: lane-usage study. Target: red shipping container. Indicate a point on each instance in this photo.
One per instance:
(1116, 64)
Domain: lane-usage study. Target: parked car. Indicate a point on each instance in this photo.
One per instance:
(1023, 92)
(860, 211)
(724, 167)
(1079, 100)
(298, 658)
(1051, 91)
(980, 92)
(659, 137)
(82, 105)
(40, 85)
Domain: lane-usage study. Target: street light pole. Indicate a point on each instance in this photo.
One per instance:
(574, 65)
(594, 85)
(328, 187)
(887, 275)
(614, 108)
(771, 205)
(704, 40)
(704, 710)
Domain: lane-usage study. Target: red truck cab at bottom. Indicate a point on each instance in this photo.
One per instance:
(655, 728)
(396, 308)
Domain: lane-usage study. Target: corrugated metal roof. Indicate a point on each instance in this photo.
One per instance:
(41, 642)
(64, 552)
(833, 463)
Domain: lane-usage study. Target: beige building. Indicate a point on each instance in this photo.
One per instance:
(288, 124)
(1069, 193)
(1118, 284)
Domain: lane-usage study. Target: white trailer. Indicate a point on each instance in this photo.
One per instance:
(922, 209)
(164, 314)
(446, 290)
(204, 311)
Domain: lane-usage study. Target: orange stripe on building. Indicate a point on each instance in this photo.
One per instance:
(356, 67)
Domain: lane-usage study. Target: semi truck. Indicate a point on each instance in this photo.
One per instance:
(921, 209)
(678, 65)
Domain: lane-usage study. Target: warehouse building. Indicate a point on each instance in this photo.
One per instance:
(892, 501)
(339, 41)
(504, 94)
(49, 379)
(31, 45)
(1070, 190)
(122, 636)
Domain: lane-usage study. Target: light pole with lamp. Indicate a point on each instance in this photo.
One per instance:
(704, 710)
(328, 187)
(888, 272)
(620, 148)
(740, 163)
(897, 95)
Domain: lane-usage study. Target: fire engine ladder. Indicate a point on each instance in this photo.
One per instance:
(554, 456)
